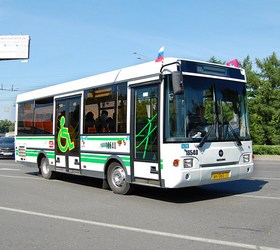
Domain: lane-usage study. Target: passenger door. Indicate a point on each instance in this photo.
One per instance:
(145, 146)
(68, 112)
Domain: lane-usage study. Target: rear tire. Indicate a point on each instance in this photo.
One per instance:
(46, 172)
(117, 179)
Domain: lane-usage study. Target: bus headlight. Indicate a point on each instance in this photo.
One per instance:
(188, 163)
(246, 158)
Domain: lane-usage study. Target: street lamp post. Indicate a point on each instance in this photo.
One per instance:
(141, 57)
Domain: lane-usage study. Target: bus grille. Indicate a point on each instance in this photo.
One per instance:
(21, 151)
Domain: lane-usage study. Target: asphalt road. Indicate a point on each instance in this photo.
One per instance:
(72, 212)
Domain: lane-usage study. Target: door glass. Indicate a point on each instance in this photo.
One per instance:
(61, 125)
(146, 123)
(74, 124)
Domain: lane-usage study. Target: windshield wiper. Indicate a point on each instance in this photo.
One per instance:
(205, 137)
(239, 143)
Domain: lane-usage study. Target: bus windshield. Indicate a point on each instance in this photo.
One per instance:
(208, 108)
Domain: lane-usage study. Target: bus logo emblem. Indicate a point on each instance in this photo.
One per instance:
(221, 153)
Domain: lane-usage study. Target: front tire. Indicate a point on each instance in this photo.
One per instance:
(117, 179)
(46, 172)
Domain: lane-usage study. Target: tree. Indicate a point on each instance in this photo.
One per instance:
(213, 59)
(6, 126)
(268, 107)
(263, 102)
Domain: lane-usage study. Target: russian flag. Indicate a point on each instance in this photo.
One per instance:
(160, 56)
(233, 63)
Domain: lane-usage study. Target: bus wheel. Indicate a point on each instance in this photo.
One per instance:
(117, 179)
(45, 169)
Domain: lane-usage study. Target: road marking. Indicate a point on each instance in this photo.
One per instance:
(9, 169)
(266, 178)
(139, 230)
(11, 164)
(21, 177)
(258, 196)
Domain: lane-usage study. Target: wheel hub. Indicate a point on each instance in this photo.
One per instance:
(118, 177)
(45, 168)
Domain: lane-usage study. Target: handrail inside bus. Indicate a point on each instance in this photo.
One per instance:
(147, 137)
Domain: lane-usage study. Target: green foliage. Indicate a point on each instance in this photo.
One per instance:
(263, 102)
(12, 127)
(266, 150)
(6, 126)
(213, 59)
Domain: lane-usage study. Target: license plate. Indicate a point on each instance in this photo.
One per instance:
(220, 175)
(7, 153)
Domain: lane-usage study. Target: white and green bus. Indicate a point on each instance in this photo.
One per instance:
(178, 124)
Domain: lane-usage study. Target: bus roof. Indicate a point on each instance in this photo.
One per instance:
(132, 74)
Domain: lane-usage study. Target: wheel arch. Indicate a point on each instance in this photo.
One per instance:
(115, 158)
(41, 155)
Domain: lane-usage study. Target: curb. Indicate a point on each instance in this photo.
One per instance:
(267, 157)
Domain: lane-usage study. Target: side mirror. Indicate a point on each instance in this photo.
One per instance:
(177, 82)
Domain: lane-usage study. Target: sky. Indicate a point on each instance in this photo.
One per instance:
(76, 39)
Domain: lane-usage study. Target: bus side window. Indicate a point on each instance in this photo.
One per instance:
(108, 105)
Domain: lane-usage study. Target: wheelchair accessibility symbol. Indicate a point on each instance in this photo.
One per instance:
(63, 133)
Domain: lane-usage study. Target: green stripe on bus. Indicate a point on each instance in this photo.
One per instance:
(90, 160)
(50, 155)
(93, 158)
(35, 153)
(32, 153)
(106, 138)
(161, 164)
(103, 155)
(35, 138)
(82, 138)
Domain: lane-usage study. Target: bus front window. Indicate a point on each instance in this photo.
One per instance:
(208, 106)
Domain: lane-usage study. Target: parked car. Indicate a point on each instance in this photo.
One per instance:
(7, 147)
